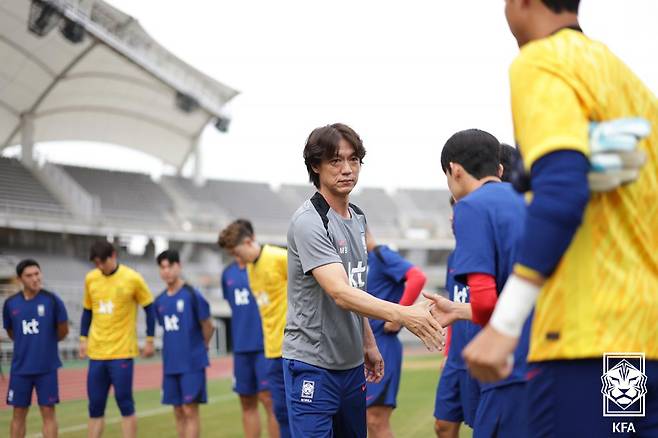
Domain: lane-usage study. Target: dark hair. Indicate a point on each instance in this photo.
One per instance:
(322, 144)
(170, 255)
(475, 150)
(509, 155)
(234, 234)
(559, 6)
(23, 264)
(101, 249)
(247, 224)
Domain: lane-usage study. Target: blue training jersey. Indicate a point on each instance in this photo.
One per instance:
(462, 331)
(488, 225)
(180, 314)
(246, 327)
(386, 280)
(34, 326)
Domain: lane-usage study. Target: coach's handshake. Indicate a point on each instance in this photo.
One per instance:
(422, 320)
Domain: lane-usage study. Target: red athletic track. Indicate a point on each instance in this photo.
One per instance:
(73, 381)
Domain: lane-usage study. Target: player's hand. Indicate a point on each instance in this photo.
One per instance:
(489, 356)
(444, 310)
(392, 327)
(373, 364)
(149, 349)
(615, 158)
(82, 349)
(420, 321)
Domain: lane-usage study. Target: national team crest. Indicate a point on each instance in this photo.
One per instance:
(41, 310)
(308, 389)
(180, 306)
(624, 385)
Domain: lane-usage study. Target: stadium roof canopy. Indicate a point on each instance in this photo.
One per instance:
(83, 70)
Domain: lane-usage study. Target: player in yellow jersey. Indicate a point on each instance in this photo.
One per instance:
(589, 260)
(108, 335)
(267, 269)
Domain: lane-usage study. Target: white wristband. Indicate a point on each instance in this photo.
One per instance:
(514, 306)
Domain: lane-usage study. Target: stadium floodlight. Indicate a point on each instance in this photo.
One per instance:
(186, 103)
(72, 31)
(222, 124)
(43, 17)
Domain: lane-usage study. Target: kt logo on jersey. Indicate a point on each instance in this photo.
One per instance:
(624, 385)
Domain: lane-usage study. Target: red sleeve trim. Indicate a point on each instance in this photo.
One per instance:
(483, 297)
(415, 280)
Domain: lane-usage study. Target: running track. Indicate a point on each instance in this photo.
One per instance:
(73, 381)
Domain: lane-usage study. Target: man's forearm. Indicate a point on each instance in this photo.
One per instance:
(356, 300)
(368, 335)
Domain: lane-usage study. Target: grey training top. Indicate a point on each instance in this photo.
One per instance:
(318, 332)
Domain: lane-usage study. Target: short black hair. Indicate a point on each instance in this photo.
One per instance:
(475, 150)
(246, 224)
(101, 249)
(322, 144)
(509, 156)
(24, 264)
(559, 6)
(170, 255)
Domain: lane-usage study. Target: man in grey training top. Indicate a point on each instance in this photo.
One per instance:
(328, 348)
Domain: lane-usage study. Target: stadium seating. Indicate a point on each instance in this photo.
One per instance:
(22, 194)
(125, 195)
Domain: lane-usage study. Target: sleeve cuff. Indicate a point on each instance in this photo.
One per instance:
(528, 273)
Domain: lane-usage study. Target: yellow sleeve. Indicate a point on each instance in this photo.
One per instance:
(143, 294)
(548, 116)
(86, 298)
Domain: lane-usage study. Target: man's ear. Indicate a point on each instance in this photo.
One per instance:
(316, 168)
(456, 170)
(501, 170)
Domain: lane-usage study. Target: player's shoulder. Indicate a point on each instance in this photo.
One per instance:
(160, 297)
(276, 251)
(306, 217)
(13, 299)
(557, 51)
(93, 275)
(51, 295)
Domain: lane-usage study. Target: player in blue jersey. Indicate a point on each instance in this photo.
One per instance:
(185, 316)
(488, 225)
(249, 363)
(458, 393)
(36, 320)
(394, 279)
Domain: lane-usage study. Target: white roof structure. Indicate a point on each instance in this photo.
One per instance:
(115, 85)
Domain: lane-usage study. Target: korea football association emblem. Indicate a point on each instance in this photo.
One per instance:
(180, 306)
(41, 310)
(308, 389)
(624, 385)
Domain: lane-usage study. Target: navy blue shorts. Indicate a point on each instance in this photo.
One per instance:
(457, 396)
(185, 388)
(565, 399)
(502, 413)
(250, 373)
(20, 389)
(102, 374)
(325, 403)
(278, 392)
(385, 392)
